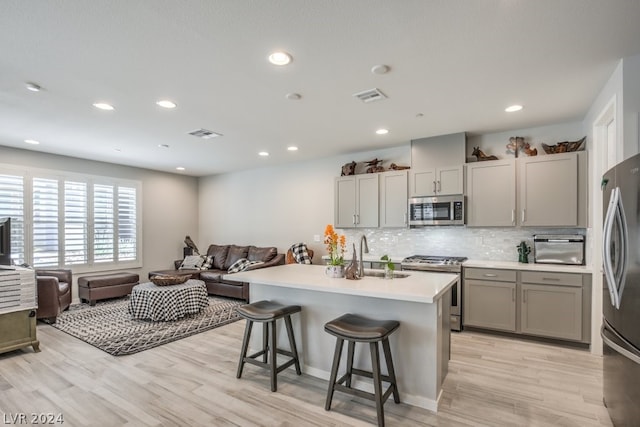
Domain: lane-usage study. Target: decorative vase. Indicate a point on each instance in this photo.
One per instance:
(334, 271)
(388, 273)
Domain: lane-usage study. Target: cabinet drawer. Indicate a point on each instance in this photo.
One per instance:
(490, 274)
(548, 278)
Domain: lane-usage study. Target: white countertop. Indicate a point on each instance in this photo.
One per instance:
(421, 287)
(512, 265)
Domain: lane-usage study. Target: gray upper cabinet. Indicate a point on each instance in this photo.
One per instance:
(393, 199)
(441, 181)
(548, 192)
(356, 201)
(491, 193)
(437, 165)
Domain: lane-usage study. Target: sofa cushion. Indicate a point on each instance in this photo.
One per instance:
(211, 275)
(261, 254)
(219, 254)
(235, 253)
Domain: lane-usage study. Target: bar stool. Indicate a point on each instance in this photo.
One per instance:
(267, 312)
(354, 328)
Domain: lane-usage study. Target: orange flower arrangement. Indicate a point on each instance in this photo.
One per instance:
(336, 245)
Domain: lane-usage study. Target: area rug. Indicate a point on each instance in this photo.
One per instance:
(109, 326)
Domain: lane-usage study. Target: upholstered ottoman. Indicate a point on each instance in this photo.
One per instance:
(94, 288)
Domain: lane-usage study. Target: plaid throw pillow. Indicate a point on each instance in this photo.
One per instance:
(242, 264)
(300, 254)
(207, 263)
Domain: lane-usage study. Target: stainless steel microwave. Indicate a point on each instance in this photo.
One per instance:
(437, 210)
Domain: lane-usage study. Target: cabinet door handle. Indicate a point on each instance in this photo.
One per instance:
(524, 296)
(523, 215)
(490, 275)
(513, 294)
(439, 186)
(434, 186)
(551, 279)
(357, 218)
(513, 216)
(354, 219)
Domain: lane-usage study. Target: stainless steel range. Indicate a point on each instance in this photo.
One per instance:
(442, 264)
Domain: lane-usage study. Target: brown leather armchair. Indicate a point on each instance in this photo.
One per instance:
(54, 293)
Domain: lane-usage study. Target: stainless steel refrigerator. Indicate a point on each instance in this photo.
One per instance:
(621, 292)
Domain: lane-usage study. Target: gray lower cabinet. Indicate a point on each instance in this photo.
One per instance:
(490, 299)
(545, 304)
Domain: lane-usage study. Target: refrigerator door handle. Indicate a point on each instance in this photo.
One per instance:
(604, 332)
(622, 221)
(606, 254)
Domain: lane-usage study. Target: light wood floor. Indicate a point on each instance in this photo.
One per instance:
(492, 381)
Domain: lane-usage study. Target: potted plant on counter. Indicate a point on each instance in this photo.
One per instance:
(389, 267)
(336, 245)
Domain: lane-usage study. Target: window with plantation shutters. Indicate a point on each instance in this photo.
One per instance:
(12, 205)
(66, 220)
(75, 223)
(45, 222)
(103, 223)
(127, 224)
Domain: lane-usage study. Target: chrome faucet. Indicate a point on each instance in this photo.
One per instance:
(366, 250)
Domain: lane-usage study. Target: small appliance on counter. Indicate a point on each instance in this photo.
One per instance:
(558, 249)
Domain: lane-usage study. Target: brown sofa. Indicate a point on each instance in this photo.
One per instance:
(223, 257)
(54, 293)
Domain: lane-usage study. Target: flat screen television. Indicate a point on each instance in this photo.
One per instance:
(5, 241)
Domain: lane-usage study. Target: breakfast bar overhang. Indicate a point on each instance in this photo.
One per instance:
(420, 302)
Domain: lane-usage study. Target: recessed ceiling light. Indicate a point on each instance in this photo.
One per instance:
(513, 108)
(163, 145)
(293, 96)
(32, 141)
(165, 103)
(33, 87)
(380, 69)
(179, 168)
(263, 154)
(280, 58)
(118, 150)
(103, 106)
(292, 148)
(382, 131)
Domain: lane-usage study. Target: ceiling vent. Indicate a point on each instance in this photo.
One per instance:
(204, 133)
(370, 95)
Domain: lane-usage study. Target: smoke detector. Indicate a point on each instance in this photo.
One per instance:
(204, 133)
(370, 95)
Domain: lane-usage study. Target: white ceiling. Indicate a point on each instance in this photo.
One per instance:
(457, 62)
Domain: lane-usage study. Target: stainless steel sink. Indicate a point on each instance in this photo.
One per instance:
(380, 274)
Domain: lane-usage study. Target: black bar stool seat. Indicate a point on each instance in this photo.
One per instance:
(267, 313)
(354, 328)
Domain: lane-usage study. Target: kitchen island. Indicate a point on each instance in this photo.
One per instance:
(420, 302)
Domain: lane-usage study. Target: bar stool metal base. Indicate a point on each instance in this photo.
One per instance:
(353, 328)
(267, 313)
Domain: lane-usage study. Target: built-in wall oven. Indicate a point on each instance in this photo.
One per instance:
(442, 264)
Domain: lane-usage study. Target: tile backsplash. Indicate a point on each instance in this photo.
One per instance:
(498, 244)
